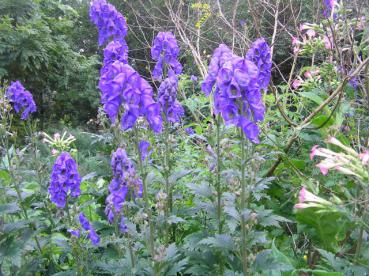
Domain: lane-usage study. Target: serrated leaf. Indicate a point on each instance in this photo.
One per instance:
(223, 242)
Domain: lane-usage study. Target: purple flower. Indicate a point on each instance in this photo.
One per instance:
(92, 235)
(116, 50)
(74, 232)
(259, 54)
(64, 179)
(167, 94)
(190, 131)
(238, 83)
(193, 78)
(122, 86)
(220, 56)
(108, 20)
(125, 179)
(329, 6)
(21, 99)
(165, 51)
(144, 149)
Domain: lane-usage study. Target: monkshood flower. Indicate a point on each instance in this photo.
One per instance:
(259, 54)
(167, 94)
(144, 149)
(189, 131)
(238, 97)
(20, 99)
(329, 8)
(74, 232)
(165, 51)
(348, 162)
(125, 179)
(220, 56)
(122, 86)
(91, 234)
(65, 180)
(116, 50)
(110, 22)
(308, 200)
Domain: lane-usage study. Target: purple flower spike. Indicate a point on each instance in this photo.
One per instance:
(238, 83)
(122, 86)
(116, 50)
(110, 22)
(91, 234)
(259, 54)
(124, 179)
(167, 94)
(220, 56)
(64, 179)
(20, 99)
(165, 51)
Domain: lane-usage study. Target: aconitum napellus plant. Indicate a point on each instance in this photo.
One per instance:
(125, 179)
(91, 233)
(238, 83)
(110, 22)
(65, 180)
(121, 85)
(165, 51)
(20, 99)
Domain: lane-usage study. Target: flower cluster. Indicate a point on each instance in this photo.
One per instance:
(108, 20)
(121, 85)
(115, 50)
(220, 56)
(125, 179)
(259, 54)
(165, 51)
(21, 99)
(92, 235)
(348, 162)
(238, 83)
(307, 200)
(64, 179)
(167, 94)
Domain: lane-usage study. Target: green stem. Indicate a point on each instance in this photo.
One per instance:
(218, 184)
(243, 205)
(146, 199)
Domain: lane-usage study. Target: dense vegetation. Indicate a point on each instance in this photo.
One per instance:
(168, 137)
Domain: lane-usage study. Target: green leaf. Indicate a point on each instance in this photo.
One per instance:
(223, 242)
(280, 257)
(10, 208)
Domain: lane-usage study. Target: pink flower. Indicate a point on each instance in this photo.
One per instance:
(326, 165)
(303, 27)
(295, 40)
(54, 152)
(327, 43)
(307, 199)
(364, 157)
(311, 33)
(308, 75)
(313, 151)
(57, 136)
(296, 84)
(336, 142)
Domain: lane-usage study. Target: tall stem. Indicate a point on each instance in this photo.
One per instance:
(243, 204)
(146, 198)
(218, 184)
